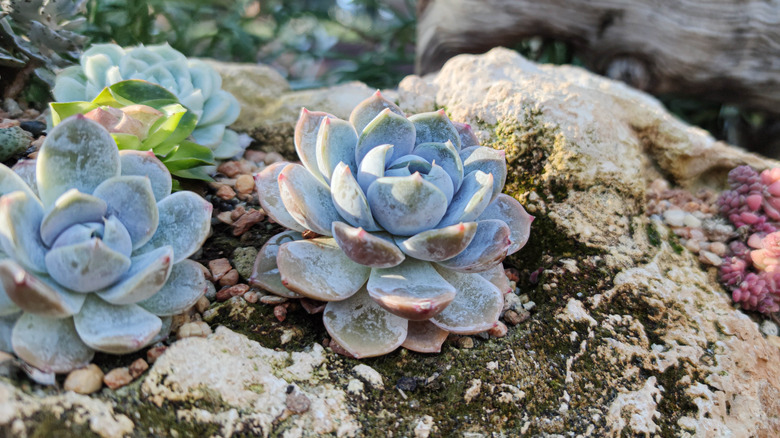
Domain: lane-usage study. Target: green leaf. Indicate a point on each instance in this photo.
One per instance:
(135, 91)
(62, 110)
(127, 141)
(160, 133)
(198, 173)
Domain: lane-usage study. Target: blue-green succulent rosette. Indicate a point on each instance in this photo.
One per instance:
(94, 249)
(413, 226)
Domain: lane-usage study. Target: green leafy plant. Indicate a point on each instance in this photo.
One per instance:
(146, 117)
(93, 253)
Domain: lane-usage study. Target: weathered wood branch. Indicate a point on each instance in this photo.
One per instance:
(724, 50)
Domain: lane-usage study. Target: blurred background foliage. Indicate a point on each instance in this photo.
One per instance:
(316, 43)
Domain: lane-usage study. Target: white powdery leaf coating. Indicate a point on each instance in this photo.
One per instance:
(439, 177)
(51, 345)
(184, 287)
(185, 222)
(116, 236)
(265, 272)
(471, 199)
(507, 209)
(336, 142)
(267, 186)
(307, 199)
(362, 327)
(20, 221)
(26, 171)
(221, 107)
(476, 306)
(86, 266)
(387, 128)
(488, 160)
(368, 109)
(435, 127)
(115, 329)
(487, 248)
(446, 156)
(11, 181)
(319, 269)
(424, 337)
(406, 205)
(147, 274)
(439, 244)
(36, 294)
(131, 200)
(73, 207)
(145, 163)
(305, 139)
(497, 276)
(368, 249)
(78, 153)
(349, 199)
(411, 290)
(7, 306)
(373, 165)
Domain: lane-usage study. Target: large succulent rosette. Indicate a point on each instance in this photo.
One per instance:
(413, 227)
(195, 83)
(94, 249)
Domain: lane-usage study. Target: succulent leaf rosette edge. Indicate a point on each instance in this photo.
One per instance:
(94, 249)
(412, 227)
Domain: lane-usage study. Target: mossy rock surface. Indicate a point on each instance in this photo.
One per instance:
(628, 334)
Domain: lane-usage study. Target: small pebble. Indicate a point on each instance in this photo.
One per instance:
(229, 292)
(514, 317)
(245, 184)
(466, 342)
(34, 127)
(254, 156)
(84, 380)
(369, 375)
(117, 378)
(211, 291)
(245, 222)
(225, 217)
(692, 245)
(250, 297)
(156, 351)
(230, 278)
(710, 258)
(691, 221)
(192, 329)
(273, 157)
(769, 328)
(718, 248)
(675, 217)
(529, 305)
(226, 193)
(405, 383)
(355, 387)
(297, 403)
(202, 304)
(499, 330)
(511, 301)
(219, 267)
(229, 168)
(272, 299)
(138, 367)
(280, 312)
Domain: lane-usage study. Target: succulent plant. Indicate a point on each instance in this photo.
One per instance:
(413, 227)
(141, 115)
(40, 31)
(195, 83)
(95, 254)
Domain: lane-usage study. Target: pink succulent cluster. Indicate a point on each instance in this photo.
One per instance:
(752, 272)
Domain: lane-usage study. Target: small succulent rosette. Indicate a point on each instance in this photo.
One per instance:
(413, 227)
(195, 83)
(94, 250)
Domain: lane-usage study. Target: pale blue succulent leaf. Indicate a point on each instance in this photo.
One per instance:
(145, 277)
(305, 139)
(79, 233)
(369, 249)
(69, 86)
(185, 223)
(509, 210)
(50, 344)
(78, 153)
(10, 181)
(487, 249)
(116, 236)
(20, 221)
(476, 306)
(487, 160)
(439, 177)
(71, 208)
(221, 107)
(229, 145)
(265, 272)
(349, 199)
(307, 199)
(387, 128)
(209, 136)
(37, 293)
(319, 269)
(86, 266)
(440, 243)
(131, 199)
(165, 330)
(115, 329)
(435, 127)
(7, 323)
(369, 108)
(184, 287)
(336, 141)
(145, 163)
(7, 305)
(362, 327)
(25, 169)
(470, 200)
(267, 185)
(411, 290)
(373, 165)
(497, 276)
(446, 156)
(406, 205)
(412, 162)
(466, 134)
(401, 171)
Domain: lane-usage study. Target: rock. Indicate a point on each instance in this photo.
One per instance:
(117, 378)
(219, 267)
(466, 342)
(243, 259)
(424, 427)
(474, 389)
(369, 375)
(197, 328)
(84, 380)
(769, 328)
(138, 367)
(355, 387)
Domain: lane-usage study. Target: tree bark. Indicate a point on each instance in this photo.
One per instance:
(724, 50)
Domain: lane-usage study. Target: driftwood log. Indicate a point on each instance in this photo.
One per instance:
(723, 50)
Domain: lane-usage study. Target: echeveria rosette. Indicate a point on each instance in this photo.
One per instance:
(195, 83)
(94, 257)
(413, 227)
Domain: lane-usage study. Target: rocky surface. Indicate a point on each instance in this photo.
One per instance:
(628, 335)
